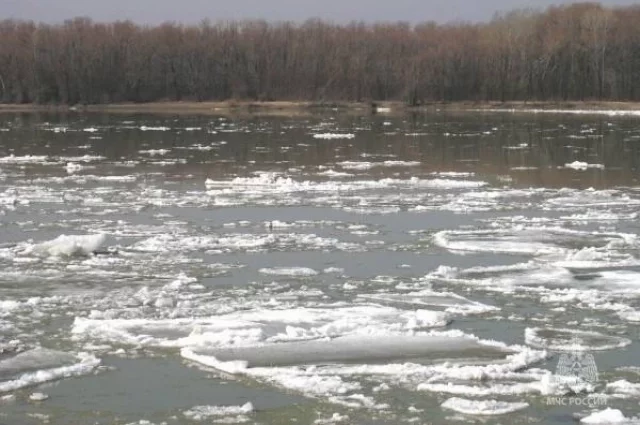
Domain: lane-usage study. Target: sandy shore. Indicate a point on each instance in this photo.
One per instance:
(298, 108)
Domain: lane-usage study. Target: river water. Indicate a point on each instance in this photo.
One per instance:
(429, 269)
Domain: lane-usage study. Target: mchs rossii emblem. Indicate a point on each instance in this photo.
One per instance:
(578, 364)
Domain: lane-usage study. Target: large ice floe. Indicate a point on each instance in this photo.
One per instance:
(382, 195)
(42, 365)
(271, 182)
(66, 246)
(325, 351)
(573, 340)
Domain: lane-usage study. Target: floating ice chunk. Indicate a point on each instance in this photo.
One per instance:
(10, 197)
(38, 397)
(358, 401)
(336, 270)
(83, 179)
(334, 136)
(334, 419)
(592, 198)
(447, 183)
(600, 216)
(334, 174)
(354, 349)
(609, 112)
(27, 159)
(39, 358)
(7, 306)
(494, 241)
(401, 163)
(624, 389)
(450, 356)
(482, 407)
(356, 165)
(73, 168)
(155, 152)
(66, 246)
(261, 326)
(607, 417)
(581, 166)
(453, 174)
(630, 315)
(274, 183)
(146, 128)
(42, 365)
(309, 384)
(232, 367)
(572, 340)
(248, 242)
(199, 413)
(363, 165)
(552, 242)
(289, 271)
(452, 303)
(83, 158)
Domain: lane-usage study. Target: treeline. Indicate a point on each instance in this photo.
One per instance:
(578, 52)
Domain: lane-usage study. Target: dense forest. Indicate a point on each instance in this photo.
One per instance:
(578, 52)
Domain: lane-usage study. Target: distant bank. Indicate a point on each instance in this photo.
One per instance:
(297, 108)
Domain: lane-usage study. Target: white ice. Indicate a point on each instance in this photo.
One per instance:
(66, 246)
(42, 365)
(483, 407)
(200, 413)
(289, 271)
(557, 339)
(581, 166)
(334, 136)
(609, 416)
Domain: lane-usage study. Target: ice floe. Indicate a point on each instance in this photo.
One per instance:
(289, 271)
(450, 302)
(362, 165)
(354, 349)
(482, 407)
(581, 166)
(66, 246)
(42, 365)
(609, 416)
(573, 340)
(26, 159)
(38, 397)
(555, 242)
(624, 389)
(155, 152)
(274, 183)
(201, 413)
(608, 112)
(73, 167)
(260, 326)
(334, 136)
(156, 128)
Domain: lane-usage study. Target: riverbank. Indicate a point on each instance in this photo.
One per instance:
(301, 107)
